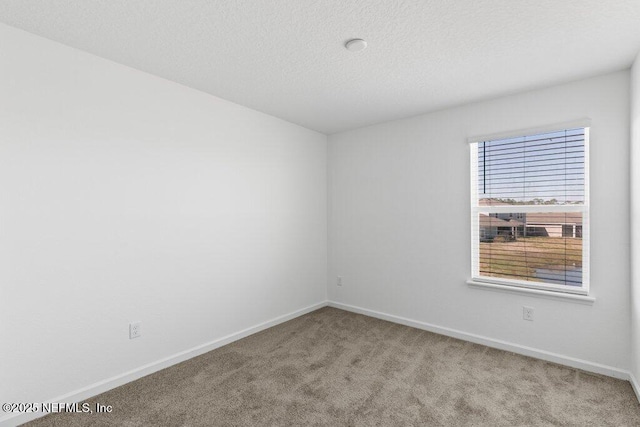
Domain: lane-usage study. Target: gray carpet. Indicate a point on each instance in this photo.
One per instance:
(335, 368)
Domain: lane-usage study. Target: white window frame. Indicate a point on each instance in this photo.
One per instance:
(476, 209)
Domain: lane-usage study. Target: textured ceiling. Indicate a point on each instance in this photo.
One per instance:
(286, 57)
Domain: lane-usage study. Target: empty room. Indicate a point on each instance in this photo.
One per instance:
(319, 212)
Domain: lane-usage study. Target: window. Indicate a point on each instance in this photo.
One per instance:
(530, 211)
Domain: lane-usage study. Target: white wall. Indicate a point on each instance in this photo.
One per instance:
(399, 226)
(127, 197)
(635, 222)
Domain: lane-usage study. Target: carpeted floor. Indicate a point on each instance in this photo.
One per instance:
(335, 368)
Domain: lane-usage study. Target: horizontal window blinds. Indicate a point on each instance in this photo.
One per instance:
(540, 169)
(548, 251)
(530, 210)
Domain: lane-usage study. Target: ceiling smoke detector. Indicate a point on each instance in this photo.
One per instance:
(356, 45)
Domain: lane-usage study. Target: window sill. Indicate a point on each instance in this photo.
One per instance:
(582, 299)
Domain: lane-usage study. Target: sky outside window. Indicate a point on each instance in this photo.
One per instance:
(545, 168)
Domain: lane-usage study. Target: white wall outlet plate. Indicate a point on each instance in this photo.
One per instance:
(135, 330)
(527, 313)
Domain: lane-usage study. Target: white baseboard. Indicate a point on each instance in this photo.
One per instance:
(499, 344)
(635, 385)
(113, 382)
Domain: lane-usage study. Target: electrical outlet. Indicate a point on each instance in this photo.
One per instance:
(527, 313)
(135, 330)
(339, 283)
